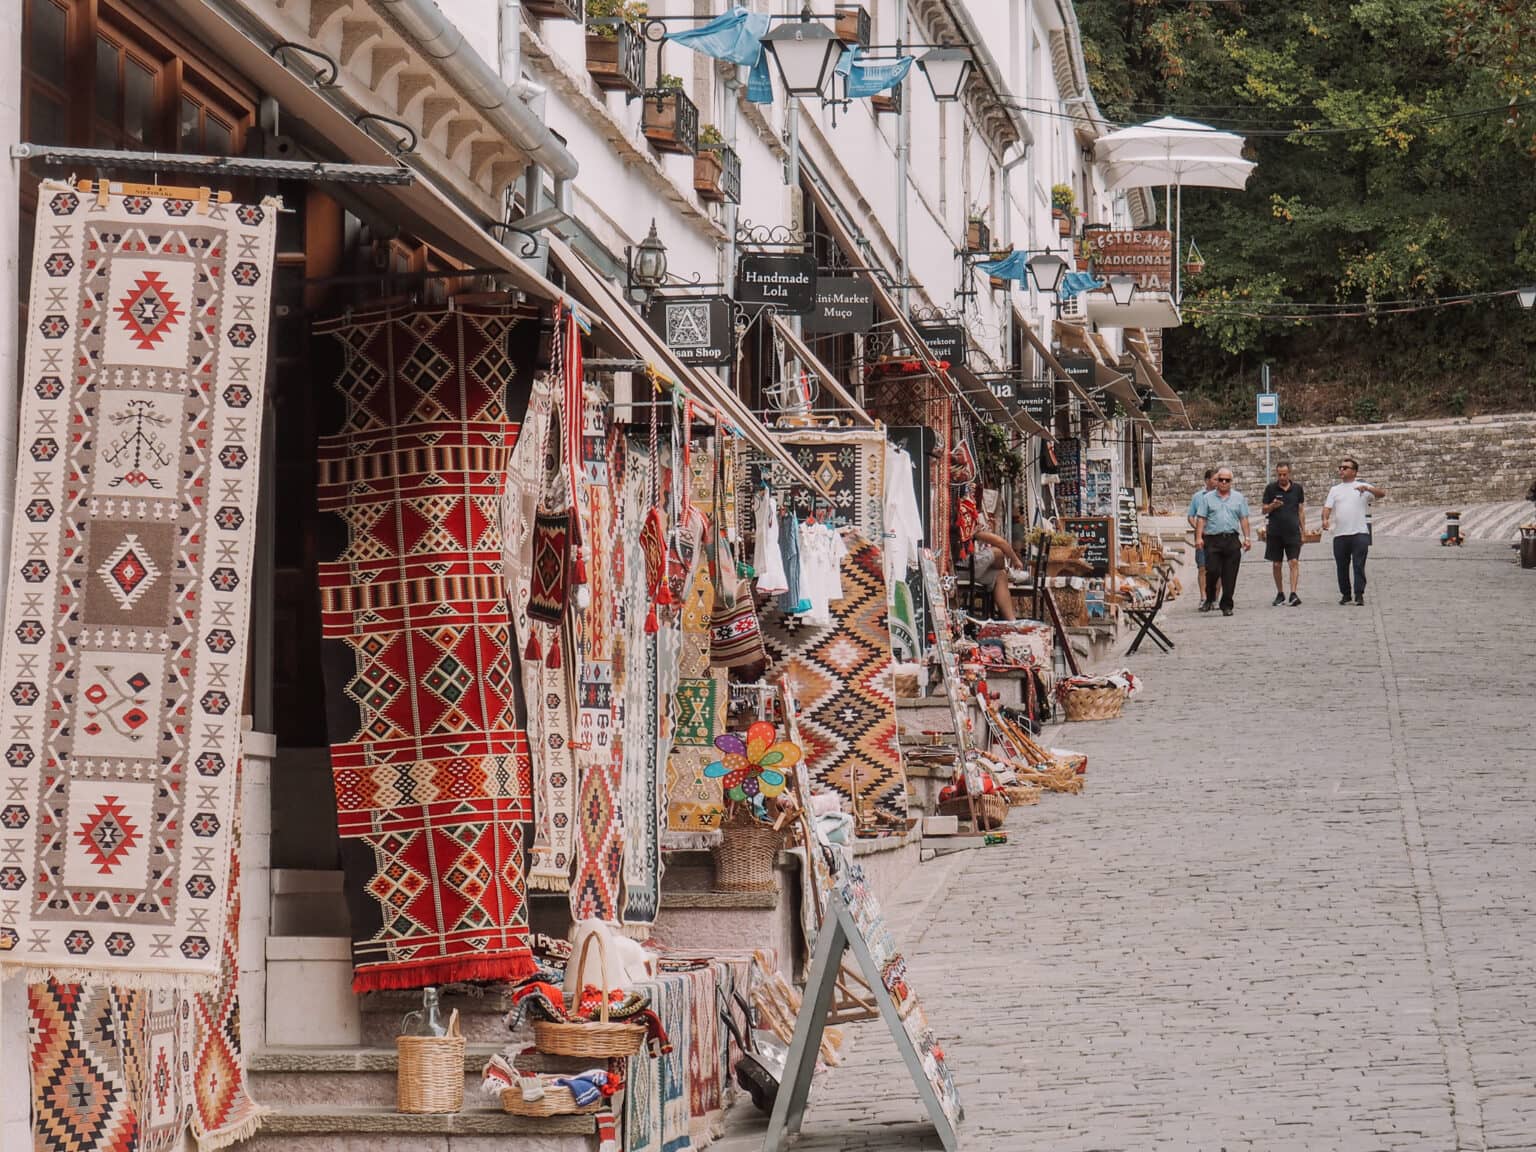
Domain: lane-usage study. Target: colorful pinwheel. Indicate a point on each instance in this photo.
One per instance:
(753, 769)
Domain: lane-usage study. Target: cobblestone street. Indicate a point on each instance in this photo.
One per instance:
(1293, 908)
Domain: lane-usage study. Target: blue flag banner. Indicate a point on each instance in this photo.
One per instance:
(737, 37)
(1074, 282)
(1014, 266)
(869, 77)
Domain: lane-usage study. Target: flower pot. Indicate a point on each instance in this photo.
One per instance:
(553, 9)
(978, 237)
(671, 122)
(1063, 226)
(887, 103)
(852, 25)
(706, 175)
(1194, 268)
(616, 62)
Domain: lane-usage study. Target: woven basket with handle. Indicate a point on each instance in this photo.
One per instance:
(1093, 703)
(431, 1074)
(745, 858)
(597, 1039)
(991, 810)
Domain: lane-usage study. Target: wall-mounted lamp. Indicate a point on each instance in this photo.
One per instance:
(1047, 269)
(647, 267)
(947, 70)
(1123, 289)
(1527, 297)
(807, 52)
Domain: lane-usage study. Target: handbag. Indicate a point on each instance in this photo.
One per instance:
(735, 634)
(550, 573)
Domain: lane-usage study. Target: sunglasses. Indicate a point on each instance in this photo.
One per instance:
(1348, 468)
(1223, 479)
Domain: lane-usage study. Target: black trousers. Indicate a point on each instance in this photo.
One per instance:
(1223, 554)
(1349, 552)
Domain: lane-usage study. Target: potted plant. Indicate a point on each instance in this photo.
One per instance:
(1194, 264)
(999, 284)
(615, 47)
(1063, 207)
(852, 24)
(978, 237)
(671, 120)
(716, 168)
(1084, 253)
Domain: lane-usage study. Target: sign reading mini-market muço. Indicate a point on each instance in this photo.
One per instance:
(843, 304)
(696, 328)
(787, 283)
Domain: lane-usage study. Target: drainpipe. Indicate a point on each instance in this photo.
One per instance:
(903, 152)
(1007, 178)
(510, 26)
(505, 106)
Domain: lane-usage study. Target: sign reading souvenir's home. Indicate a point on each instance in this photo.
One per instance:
(1094, 535)
(945, 341)
(786, 283)
(696, 328)
(1144, 253)
(843, 304)
(1037, 401)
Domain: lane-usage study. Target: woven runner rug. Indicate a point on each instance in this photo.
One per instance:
(850, 465)
(128, 597)
(640, 716)
(841, 677)
(82, 1045)
(432, 771)
(599, 849)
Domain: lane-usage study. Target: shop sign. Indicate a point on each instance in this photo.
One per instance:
(1006, 392)
(1094, 536)
(1081, 369)
(1038, 402)
(1130, 519)
(843, 304)
(697, 329)
(1146, 254)
(786, 283)
(945, 341)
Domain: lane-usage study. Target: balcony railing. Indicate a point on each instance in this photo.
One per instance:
(717, 173)
(671, 121)
(853, 24)
(616, 57)
(553, 9)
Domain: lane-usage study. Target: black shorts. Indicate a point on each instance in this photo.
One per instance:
(1286, 546)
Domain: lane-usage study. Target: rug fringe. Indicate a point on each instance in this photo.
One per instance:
(508, 967)
(690, 841)
(185, 983)
(224, 1137)
(637, 931)
(549, 881)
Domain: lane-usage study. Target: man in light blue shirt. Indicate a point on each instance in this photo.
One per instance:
(1194, 510)
(1221, 529)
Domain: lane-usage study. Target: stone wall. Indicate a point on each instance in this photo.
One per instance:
(1484, 458)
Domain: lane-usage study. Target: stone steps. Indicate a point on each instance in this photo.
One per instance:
(336, 1128)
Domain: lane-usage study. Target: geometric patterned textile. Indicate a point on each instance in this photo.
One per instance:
(599, 848)
(850, 465)
(656, 1111)
(841, 678)
(81, 1048)
(128, 597)
(431, 768)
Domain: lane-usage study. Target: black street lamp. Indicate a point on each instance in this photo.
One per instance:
(807, 51)
(647, 267)
(947, 70)
(1047, 269)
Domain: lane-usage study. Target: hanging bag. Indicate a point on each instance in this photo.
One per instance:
(735, 634)
(553, 522)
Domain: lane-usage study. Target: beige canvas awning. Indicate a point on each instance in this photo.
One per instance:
(822, 372)
(1055, 365)
(1136, 341)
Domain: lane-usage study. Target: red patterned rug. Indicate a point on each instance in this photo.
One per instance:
(431, 767)
(841, 676)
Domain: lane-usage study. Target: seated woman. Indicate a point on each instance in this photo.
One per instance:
(994, 556)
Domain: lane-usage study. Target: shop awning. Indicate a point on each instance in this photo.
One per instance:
(1115, 378)
(984, 397)
(983, 403)
(704, 387)
(813, 363)
(421, 207)
(1136, 341)
(1054, 364)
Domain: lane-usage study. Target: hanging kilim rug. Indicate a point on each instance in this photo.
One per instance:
(128, 595)
(849, 465)
(599, 847)
(431, 767)
(82, 1044)
(841, 677)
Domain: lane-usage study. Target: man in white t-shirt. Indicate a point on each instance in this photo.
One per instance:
(1347, 512)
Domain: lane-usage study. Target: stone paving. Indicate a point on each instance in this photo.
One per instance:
(1292, 910)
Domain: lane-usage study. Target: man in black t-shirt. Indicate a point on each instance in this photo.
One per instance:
(1285, 503)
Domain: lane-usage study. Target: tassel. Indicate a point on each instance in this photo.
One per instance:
(664, 596)
(583, 597)
(652, 626)
(533, 651)
(581, 566)
(554, 651)
(607, 1132)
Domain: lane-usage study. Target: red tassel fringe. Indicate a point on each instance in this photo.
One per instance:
(505, 966)
(652, 626)
(554, 651)
(581, 568)
(533, 651)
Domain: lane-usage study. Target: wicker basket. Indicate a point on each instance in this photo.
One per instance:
(598, 1039)
(1020, 795)
(991, 810)
(1071, 606)
(1093, 703)
(556, 1101)
(745, 858)
(431, 1074)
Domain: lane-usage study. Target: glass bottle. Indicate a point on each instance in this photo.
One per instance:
(428, 1020)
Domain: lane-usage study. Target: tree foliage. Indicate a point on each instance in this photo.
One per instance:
(1395, 162)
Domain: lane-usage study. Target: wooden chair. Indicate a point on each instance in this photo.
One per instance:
(1147, 618)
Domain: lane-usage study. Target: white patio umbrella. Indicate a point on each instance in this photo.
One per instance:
(1173, 152)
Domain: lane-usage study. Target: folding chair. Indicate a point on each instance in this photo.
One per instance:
(1147, 618)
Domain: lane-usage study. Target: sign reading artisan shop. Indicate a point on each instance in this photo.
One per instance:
(843, 304)
(1146, 254)
(787, 283)
(696, 328)
(945, 341)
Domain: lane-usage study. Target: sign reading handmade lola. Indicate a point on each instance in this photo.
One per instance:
(128, 596)
(787, 283)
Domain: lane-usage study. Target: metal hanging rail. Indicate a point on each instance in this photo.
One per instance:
(213, 166)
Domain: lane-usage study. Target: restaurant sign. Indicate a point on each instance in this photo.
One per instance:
(843, 304)
(786, 283)
(1144, 253)
(696, 328)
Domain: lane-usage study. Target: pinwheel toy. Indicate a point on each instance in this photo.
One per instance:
(753, 769)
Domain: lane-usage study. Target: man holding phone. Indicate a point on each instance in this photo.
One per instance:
(1285, 503)
(1346, 511)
